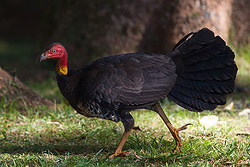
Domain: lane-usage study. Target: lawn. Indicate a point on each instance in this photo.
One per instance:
(61, 137)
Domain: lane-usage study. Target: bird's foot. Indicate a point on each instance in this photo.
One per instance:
(124, 154)
(175, 134)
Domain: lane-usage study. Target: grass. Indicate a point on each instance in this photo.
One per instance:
(61, 137)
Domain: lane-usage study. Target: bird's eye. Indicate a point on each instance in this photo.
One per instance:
(54, 51)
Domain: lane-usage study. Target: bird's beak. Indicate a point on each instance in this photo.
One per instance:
(43, 57)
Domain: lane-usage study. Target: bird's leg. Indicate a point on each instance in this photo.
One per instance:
(173, 131)
(128, 123)
(118, 151)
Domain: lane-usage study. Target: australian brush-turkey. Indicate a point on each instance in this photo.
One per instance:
(197, 75)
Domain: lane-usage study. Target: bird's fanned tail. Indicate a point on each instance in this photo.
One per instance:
(206, 71)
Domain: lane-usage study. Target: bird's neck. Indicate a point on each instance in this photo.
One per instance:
(61, 67)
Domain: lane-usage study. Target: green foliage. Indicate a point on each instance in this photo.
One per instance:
(47, 89)
(242, 60)
(16, 54)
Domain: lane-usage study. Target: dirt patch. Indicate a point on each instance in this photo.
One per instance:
(13, 91)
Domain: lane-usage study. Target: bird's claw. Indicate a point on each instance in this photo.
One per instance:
(183, 127)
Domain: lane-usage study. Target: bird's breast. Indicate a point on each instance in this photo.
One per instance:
(88, 110)
(91, 109)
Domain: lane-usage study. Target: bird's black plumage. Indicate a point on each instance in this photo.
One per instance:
(197, 75)
(206, 72)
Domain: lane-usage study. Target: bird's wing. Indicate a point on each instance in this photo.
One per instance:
(131, 79)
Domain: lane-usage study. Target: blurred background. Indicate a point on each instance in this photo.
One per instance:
(97, 28)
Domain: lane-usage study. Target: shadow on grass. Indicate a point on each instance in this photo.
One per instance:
(19, 145)
(58, 147)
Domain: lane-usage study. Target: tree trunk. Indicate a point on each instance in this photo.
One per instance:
(241, 24)
(91, 29)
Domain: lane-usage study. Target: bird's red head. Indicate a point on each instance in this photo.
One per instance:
(58, 52)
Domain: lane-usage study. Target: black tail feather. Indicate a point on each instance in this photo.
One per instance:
(206, 72)
(208, 86)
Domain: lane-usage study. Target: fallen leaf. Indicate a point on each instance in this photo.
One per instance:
(8, 125)
(209, 121)
(245, 112)
(230, 106)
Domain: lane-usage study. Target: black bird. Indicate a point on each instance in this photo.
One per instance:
(197, 75)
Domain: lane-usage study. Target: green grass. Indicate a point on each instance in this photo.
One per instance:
(61, 137)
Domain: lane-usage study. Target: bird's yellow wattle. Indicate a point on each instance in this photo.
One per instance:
(62, 70)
